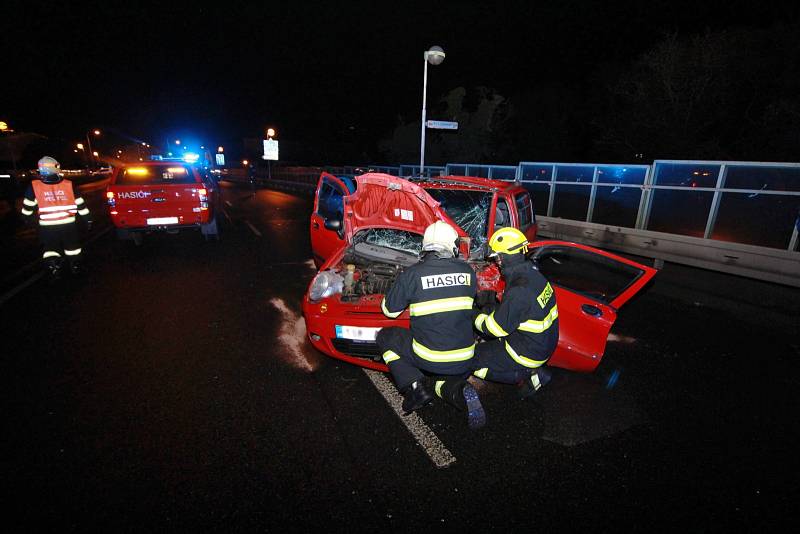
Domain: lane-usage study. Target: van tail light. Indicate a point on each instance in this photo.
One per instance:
(203, 196)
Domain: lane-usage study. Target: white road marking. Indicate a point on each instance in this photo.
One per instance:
(228, 202)
(621, 339)
(433, 446)
(253, 228)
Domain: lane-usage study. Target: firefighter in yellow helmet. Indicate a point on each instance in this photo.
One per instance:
(58, 204)
(523, 328)
(439, 293)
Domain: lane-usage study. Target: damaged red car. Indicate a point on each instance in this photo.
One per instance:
(365, 231)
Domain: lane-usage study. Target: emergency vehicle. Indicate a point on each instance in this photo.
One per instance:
(365, 236)
(163, 195)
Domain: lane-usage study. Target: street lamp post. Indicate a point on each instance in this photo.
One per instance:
(434, 56)
(89, 143)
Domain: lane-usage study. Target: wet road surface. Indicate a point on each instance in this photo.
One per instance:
(171, 389)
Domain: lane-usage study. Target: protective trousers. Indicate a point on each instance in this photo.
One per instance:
(492, 362)
(60, 241)
(395, 345)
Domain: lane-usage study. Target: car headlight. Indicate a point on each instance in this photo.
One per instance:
(325, 284)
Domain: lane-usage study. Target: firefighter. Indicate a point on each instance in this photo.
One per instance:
(523, 328)
(439, 292)
(58, 205)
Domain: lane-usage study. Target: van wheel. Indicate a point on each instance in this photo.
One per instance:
(137, 238)
(123, 234)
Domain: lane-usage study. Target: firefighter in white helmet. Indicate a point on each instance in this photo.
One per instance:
(439, 292)
(58, 206)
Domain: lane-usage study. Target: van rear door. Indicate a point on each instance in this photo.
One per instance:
(158, 195)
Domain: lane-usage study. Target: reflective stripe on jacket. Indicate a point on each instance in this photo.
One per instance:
(56, 202)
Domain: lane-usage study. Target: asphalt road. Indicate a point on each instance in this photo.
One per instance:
(171, 388)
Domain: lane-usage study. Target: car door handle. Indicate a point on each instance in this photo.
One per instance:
(315, 225)
(594, 311)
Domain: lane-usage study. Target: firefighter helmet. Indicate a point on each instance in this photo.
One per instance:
(48, 166)
(508, 241)
(440, 238)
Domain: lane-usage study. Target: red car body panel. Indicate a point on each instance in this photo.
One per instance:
(584, 319)
(191, 201)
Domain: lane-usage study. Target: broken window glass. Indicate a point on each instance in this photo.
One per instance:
(469, 210)
(400, 240)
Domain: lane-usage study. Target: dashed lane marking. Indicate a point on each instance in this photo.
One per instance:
(228, 202)
(433, 446)
(253, 228)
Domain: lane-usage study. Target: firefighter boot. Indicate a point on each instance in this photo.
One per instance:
(460, 394)
(534, 382)
(53, 268)
(75, 266)
(415, 397)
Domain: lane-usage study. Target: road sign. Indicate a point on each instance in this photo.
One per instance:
(220, 159)
(270, 150)
(442, 125)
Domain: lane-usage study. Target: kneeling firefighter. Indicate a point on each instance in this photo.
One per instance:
(58, 205)
(524, 326)
(439, 292)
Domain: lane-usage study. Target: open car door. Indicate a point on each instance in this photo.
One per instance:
(327, 219)
(590, 285)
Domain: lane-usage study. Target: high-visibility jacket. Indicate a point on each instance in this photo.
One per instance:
(57, 202)
(527, 318)
(439, 293)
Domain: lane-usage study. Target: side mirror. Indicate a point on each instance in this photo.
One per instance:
(334, 225)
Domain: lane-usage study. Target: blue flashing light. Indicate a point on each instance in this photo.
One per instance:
(191, 157)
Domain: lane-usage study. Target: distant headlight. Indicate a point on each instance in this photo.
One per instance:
(324, 285)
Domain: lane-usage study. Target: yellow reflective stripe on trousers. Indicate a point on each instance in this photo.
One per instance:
(495, 329)
(438, 388)
(386, 312)
(53, 223)
(441, 356)
(73, 252)
(83, 212)
(29, 202)
(26, 211)
(537, 327)
(522, 360)
(389, 356)
(440, 305)
(481, 373)
(79, 201)
(479, 320)
(50, 254)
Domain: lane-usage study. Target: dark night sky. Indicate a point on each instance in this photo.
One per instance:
(312, 69)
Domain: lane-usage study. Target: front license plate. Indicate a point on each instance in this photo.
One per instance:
(357, 333)
(163, 220)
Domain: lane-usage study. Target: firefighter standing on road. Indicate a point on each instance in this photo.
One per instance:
(439, 292)
(524, 326)
(58, 205)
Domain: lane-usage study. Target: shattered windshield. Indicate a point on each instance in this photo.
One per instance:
(469, 210)
(401, 240)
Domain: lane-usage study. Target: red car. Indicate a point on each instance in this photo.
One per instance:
(161, 196)
(366, 232)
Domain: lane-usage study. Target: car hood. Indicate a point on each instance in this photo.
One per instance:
(385, 201)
